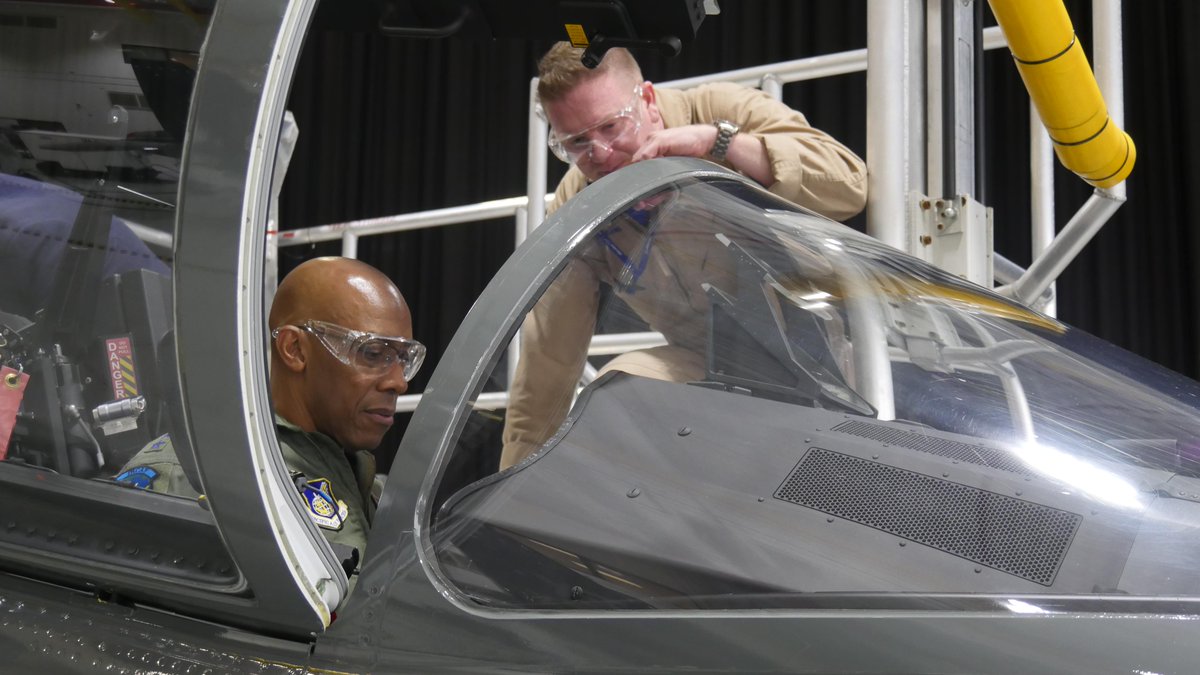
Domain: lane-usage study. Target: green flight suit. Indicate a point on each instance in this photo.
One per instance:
(336, 488)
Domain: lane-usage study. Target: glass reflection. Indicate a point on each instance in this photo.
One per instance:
(91, 130)
(828, 419)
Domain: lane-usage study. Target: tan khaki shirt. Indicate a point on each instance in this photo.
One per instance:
(810, 168)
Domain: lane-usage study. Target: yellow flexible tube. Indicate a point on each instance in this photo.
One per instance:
(1064, 90)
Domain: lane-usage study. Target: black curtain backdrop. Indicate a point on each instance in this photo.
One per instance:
(392, 125)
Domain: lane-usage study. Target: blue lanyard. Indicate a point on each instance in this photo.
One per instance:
(631, 271)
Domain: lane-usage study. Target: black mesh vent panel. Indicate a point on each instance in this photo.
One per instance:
(1012, 535)
(973, 454)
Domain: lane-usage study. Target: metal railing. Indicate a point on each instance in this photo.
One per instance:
(1032, 283)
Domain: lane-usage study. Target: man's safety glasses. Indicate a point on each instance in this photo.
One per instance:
(370, 353)
(606, 132)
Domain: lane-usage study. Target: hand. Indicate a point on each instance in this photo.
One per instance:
(693, 140)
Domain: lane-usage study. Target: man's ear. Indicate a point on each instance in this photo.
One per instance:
(651, 98)
(290, 350)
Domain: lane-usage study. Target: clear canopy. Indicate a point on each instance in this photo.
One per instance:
(811, 415)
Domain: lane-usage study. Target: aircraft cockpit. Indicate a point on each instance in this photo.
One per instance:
(809, 398)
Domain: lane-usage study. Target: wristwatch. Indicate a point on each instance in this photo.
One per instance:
(725, 132)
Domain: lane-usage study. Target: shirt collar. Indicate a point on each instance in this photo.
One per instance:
(316, 435)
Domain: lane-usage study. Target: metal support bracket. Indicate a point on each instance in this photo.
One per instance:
(954, 234)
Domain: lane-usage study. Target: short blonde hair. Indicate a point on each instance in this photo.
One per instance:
(562, 69)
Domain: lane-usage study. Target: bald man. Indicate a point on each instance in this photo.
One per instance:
(342, 353)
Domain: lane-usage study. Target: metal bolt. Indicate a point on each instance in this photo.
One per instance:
(949, 213)
(684, 431)
(576, 592)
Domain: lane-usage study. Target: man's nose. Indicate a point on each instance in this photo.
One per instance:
(599, 151)
(393, 380)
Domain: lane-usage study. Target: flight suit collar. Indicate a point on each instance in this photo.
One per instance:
(362, 462)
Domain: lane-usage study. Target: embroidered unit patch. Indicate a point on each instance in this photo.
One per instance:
(141, 477)
(326, 510)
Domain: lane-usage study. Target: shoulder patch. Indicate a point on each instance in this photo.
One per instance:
(141, 477)
(327, 511)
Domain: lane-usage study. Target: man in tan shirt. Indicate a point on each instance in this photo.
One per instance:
(604, 119)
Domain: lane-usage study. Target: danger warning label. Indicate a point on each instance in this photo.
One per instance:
(121, 374)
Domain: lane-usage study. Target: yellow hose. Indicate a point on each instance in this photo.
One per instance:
(1064, 90)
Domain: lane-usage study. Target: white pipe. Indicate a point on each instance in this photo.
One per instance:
(609, 343)
(1109, 69)
(810, 68)
(894, 152)
(514, 346)
(535, 176)
(619, 343)
(772, 86)
(1066, 246)
(151, 235)
(872, 365)
(1041, 193)
(470, 213)
(489, 400)
(349, 245)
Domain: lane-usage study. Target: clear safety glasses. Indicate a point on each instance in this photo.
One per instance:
(370, 353)
(622, 124)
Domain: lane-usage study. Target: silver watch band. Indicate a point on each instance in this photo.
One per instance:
(725, 133)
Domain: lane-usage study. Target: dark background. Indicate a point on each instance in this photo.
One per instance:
(395, 125)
